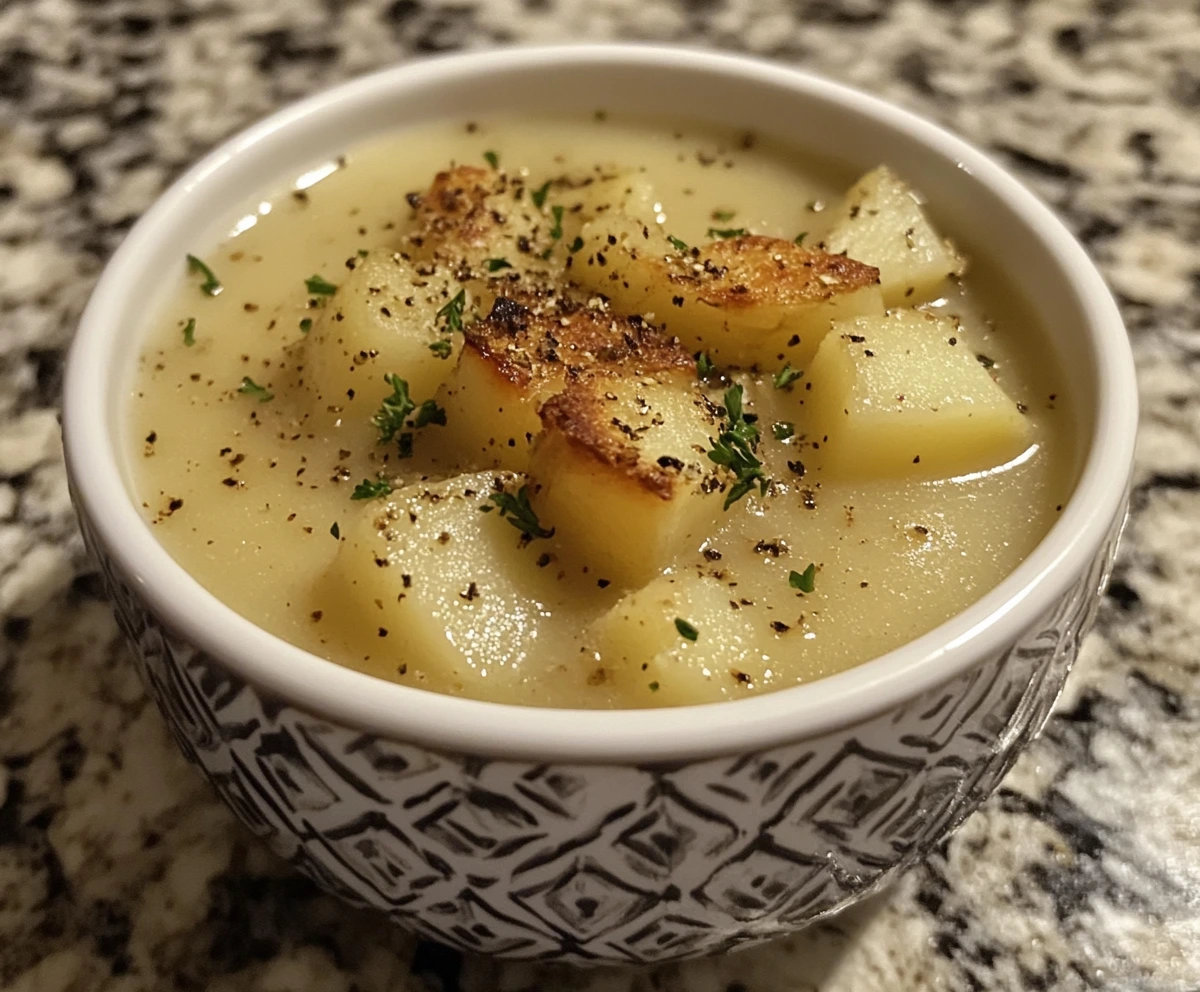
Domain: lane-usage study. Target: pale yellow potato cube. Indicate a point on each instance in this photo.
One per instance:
(648, 661)
(748, 301)
(881, 223)
(905, 395)
(382, 320)
(425, 580)
(620, 472)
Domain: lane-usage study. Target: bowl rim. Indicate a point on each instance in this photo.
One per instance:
(695, 732)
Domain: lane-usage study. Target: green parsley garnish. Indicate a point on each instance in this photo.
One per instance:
(538, 196)
(686, 629)
(368, 489)
(786, 376)
(429, 413)
(805, 581)
(653, 687)
(492, 159)
(799, 239)
(211, 286)
(783, 430)
(722, 215)
(575, 245)
(363, 253)
(442, 348)
(319, 287)
(394, 409)
(306, 325)
(726, 232)
(704, 365)
(252, 388)
(677, 243)
(517, 511)
(734, 449)
(336, 531)
(496, 264)
(189, 332)
(556, 230)
(452, 312)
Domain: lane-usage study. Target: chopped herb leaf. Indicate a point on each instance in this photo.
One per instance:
(805, 581)
(363, 253)
(556, 230)
(722, 215)
(538, 196)
(783, 430)
(575, 245)
(492, 159)
(686, 629)
(517, 511)
(726, 232)
(368, 489)
(306, 325)
(429, 413)
(496, 264)
(211, 286)
(653, 687)
(704, 365)
(252, 388)
(390, 417)
(452, 312)
(786, 376)
(336, 531)
(442, 348)
(734, 449)
(189, 332)
(319, 287)
(677, 243)
(404, 445)
(799, 239)
(986, 362)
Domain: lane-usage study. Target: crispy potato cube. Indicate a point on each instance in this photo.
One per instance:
(881, 223)
(905, 395)
(428, 580)
(519, 356)
(470, 217)
(747, 301)
(649, 662)
(383, 319)
(618, 472)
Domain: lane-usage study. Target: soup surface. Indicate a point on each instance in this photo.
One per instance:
(566, 429)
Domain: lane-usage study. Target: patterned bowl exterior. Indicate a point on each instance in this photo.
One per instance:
(609, 863)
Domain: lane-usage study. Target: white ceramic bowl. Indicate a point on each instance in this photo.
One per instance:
(639, 835)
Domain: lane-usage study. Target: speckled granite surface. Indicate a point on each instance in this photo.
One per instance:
(119, 871)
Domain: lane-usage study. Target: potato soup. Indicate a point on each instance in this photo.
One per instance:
(595, 413)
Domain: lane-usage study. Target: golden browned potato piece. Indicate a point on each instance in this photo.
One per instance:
(519, 356)
(747, 301)
(620, 470)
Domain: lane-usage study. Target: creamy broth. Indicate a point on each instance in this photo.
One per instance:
(253, 497)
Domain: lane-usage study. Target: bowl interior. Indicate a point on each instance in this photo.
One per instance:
(972, 200)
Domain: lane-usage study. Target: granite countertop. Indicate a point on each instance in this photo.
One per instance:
(119, 870)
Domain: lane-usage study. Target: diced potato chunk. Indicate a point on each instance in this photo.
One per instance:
(470, 217)
(905, 395)
(747, 301)
(429, 580)
(619, 472)
(649, 662)
(518, 357)
(881, 223)
(382, 320)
